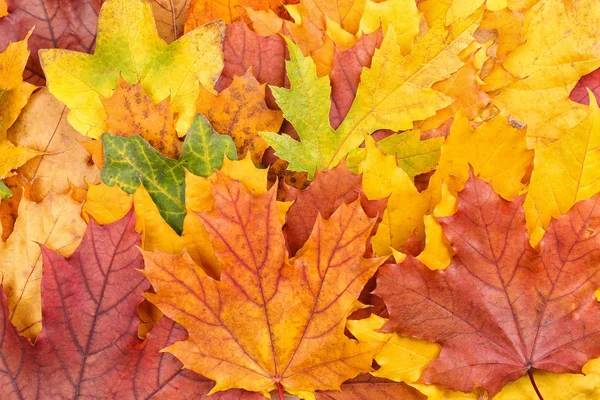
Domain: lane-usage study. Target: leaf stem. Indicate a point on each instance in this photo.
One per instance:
(537, 391)
(280, 390)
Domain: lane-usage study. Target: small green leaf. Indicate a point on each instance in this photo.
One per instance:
(5, 192)
(129, 161)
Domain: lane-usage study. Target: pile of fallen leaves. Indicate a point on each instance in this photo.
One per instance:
(333, 199)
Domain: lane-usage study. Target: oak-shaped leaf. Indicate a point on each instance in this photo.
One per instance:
(89, 345)
(501, 310)
(274, 322)
(129, 161)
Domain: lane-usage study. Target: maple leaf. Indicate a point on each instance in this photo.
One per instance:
(535, 298)
(3, 9)
(240, 111)
(392, 94)
(274, 322)
(129, 46)
(322, 197)
(64, 162)
(58, 24)
(130, 161)
(14, 94)
(88, 346)
(54, 223)
(244, 49)
(544, 70)
(170, 18)
(564, 173)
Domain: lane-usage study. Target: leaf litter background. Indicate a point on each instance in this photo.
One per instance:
(393, 198)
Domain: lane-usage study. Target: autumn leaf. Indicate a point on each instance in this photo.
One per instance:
(536, 297)
(322, 197)
(564, 173)
(240, 111)
(277, 322)
(129, 46)
(3, 9)
(170, 18)
(57, 25)
(14, 94)
(89, 344)
(54, 223)
(42, 127)
(560, 47)
(130, 161)
(405, 97)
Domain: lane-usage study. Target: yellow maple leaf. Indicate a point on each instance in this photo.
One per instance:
(55, 223)
(564, 173)
(128, 45)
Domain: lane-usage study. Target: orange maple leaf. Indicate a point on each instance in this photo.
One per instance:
(270, 321)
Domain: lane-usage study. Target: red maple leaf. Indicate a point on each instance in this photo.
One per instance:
(501, 309)
(88, 346)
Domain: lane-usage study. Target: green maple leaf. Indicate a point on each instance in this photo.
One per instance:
(392, 94)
